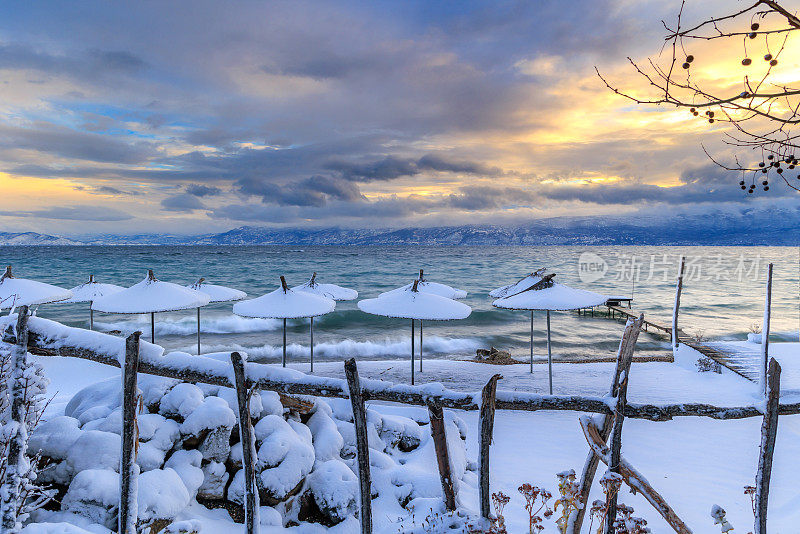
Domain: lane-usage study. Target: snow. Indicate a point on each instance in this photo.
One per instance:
(433, 288)
(151, 295)
(23, 292)
(409, 304)
(91, 291)
(285, 304)
(331, 291)
(520, 285)
(218, 293)
(694, 462)
(556, 297)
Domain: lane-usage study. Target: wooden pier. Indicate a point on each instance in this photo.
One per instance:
(743, 363)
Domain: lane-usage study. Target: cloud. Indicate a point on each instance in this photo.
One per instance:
(200, 190)
(73, 213)
(392, 167)
(185, 202)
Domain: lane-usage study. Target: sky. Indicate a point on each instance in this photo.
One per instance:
(193, 117)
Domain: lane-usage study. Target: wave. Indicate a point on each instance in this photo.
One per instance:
(349, 348)
(225, 324)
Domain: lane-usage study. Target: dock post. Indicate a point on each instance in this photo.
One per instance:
(765, 333)
(549, 355)
(678, 290)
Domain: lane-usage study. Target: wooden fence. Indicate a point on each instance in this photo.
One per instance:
(252, 376)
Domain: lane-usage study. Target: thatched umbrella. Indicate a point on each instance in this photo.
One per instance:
(285, 303)
(434, 288)
(549, 296)
(216, 294)
(151, 296)
(415, 305)
(331, 291)
(91, 291)
(23, 292)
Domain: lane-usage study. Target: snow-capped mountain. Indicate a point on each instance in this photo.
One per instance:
(33, 239)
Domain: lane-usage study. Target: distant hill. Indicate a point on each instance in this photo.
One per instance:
(767, 227)
(33, 239)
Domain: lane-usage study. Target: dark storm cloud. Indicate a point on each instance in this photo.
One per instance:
(184, 202)
(73, 144)
(104, 190)
(200, 190)
(481, 198)
(392, 167)
(83, 64)
(73, 213)
(313, 191)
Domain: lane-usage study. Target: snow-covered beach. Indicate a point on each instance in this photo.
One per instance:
(693, 462)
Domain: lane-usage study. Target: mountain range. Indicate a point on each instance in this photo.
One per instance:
(714, 229)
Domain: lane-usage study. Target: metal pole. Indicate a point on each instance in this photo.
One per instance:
(198, 330)
(91, 317)
(152, 327)
(549, 354)
(311, 329)
(531, 341)
(420, 345)
(284, 342)
(412, 352)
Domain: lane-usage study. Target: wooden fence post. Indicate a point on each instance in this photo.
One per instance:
(616, 429)
(769, 429)
(624, 359)
(765, 332)
(129, 470)
(439, 436)
(487, 429)
(362, 445)
(251, 504)
(11, 483)
(677, 306)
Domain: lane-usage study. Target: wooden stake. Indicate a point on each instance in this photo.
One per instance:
(616, 429)
(251, 504)
(487, 429)
(362, 445)
(129, 470)
(769, 430)
(624, 358)
(765, 332)
(677, 306)
(439, 436)
(17, 444)
(632, 477)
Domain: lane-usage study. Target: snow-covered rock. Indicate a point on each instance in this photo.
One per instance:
(334, 488)
(95, 449)
(285, 457)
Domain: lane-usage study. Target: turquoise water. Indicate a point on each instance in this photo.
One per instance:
(723, 294)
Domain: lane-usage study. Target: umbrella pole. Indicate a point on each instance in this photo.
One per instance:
(311, 329)
(531, 341)
(412, 352)
(284, 342)
(91, 317)
(198, 330)
(152, 327)
(420, 345)
(549, 355)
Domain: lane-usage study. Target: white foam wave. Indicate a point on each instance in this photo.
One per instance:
(223, 324)
(349, 348)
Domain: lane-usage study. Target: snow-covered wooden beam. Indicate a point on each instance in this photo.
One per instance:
(47, 339)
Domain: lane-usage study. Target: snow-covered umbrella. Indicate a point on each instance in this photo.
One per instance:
(549, 296)
(285, 303)
(151, 296)
(91, 291)
(434, 288)
(23, 292)
(415, 305)
(331, 291)
(520, 285)
(216, 294)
